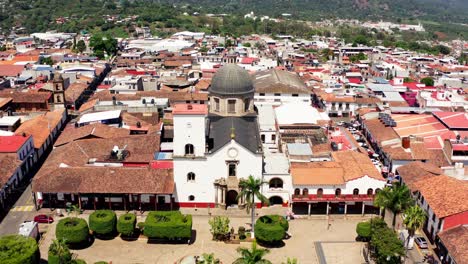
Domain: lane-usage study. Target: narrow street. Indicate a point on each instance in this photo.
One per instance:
(23, 210)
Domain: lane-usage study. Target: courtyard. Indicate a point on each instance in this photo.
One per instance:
(313, 240)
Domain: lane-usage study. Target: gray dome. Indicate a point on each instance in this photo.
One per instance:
(231, 80)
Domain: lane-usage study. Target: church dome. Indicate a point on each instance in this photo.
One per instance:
(231, 80)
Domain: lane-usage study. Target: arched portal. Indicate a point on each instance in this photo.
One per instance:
(231, 198)
(275, 200)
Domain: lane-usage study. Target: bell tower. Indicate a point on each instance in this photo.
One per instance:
(58, 90)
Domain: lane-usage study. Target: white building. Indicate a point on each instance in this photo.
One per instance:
(215, 148)
(277, 87)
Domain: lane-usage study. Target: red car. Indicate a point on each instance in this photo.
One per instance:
(44, 219)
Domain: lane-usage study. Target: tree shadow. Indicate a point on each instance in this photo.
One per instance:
(176, 241)
(83, 245)
(278, 244)
(105, 237)
(132, 237)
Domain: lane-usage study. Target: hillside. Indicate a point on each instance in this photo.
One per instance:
(436, 10)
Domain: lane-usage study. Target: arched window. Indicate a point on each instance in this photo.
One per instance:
(319, 192)
(191, 198)
(297, 191)
(276, 183)
(338, 192)
(305, 191)
(189, 149)
(370, 191)
(377, 190)
(191, 176)
(355, 191)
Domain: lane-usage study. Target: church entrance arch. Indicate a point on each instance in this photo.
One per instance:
(231, 198)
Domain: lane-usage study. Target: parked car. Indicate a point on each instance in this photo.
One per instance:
(421, 242)
(43, 219)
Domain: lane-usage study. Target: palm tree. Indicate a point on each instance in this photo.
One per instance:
(396, 198)
(60, 249)
(415, 217)
(250, 189)
(253, 255)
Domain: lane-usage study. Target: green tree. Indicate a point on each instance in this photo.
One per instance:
(81, 46)
(17, 249)
(395, 198)
(428, 81)
(388, 247)
(219, 227)
(59, 253)
(443, 49)
(203, 49)
(250, 189)
(47, 61)
(415, 217)
(253, 255)
(291, 261)
(247, 44)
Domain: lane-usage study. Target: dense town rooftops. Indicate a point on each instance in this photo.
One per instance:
(41, 126)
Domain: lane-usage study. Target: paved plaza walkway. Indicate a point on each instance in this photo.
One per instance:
(305, 232)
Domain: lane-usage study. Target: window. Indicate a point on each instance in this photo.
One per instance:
(297, 191)
(305, 191)
(355, 191)
(231, 106)
(276, 183)
(216, 101)
(377, 191)
(319, 192)
(295, 95)
(277, 94)
(262, 94)
(273, 138)
(189, 149)
(232, 169)
(338, 192)
(433, 217)
(191, 198)
(263, 138)
(191, 176)
(246, 105)
(370, 191)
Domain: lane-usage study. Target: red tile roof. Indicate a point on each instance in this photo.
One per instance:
(456, 241)
(11, 144)
(453, 120)
(11, 70)
(190, 109)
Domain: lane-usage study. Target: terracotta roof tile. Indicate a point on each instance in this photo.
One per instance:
(456, 241)
(445, 195)
(26, 97)
(379, 131)
(417, 171)
(41, 126)
(97, 130)
(8, 165)
(172, 96)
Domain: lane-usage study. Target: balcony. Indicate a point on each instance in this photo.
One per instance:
(333, 198)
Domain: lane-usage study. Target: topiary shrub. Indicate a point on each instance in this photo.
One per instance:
(17, 249)
(168, 225)
(141, 225)
(78, 261)
(103, 222)
(268, 230)
(281, 220)
(73, 230)
(126, 224)
(101, 262)
(363, 229)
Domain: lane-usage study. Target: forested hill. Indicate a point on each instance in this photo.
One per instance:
(436, 10)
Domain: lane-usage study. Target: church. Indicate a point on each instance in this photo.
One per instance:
(217, 145)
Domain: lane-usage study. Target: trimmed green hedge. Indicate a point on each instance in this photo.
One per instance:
(270, 229)
(126, 224)
(281, 220)
(103, 222)
(168, 225)
(73, 230)
(363, 229)
(17, 249)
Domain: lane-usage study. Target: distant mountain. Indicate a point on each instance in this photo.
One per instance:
(436, 10)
